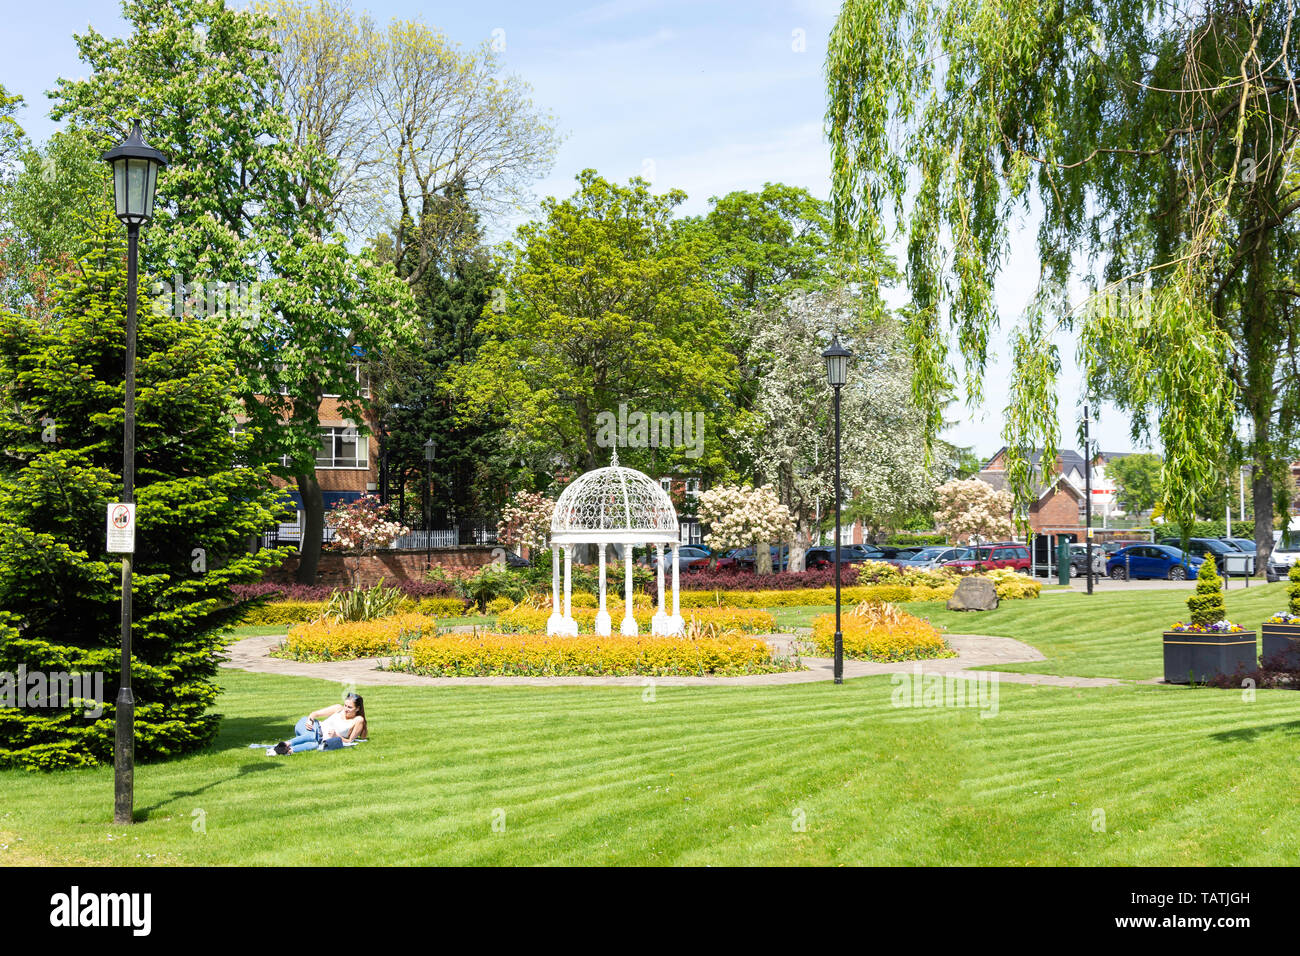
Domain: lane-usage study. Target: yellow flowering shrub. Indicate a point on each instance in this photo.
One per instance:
(531, 655)
(880, 632)
(283, 612)
(526, 619)
(322, 640)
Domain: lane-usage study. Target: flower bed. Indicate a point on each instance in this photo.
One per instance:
(294, 612)
(1217, 627)
(520, 655)
(333, 641)
(525, 619)
(880, 632)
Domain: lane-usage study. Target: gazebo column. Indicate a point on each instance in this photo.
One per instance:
(569, 624)
(629, 628)
(604, 626)
(659, 625)
(675, 623)
(555, 622)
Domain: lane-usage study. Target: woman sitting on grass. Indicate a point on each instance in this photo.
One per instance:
(346, 721)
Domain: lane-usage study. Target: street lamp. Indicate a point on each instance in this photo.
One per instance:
(135, 175)
(430, 449)
(383, 459)
(837, 369)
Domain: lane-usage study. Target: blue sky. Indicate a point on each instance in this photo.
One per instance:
(707, 97)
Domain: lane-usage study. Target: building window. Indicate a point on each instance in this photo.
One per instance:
(692, 487)
(364, 380)
(667, 485)
(342, 447)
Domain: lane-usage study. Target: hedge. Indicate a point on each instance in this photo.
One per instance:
(294, 612)
(533, 620)
(517, 655)
(334, 641)
(876, 632)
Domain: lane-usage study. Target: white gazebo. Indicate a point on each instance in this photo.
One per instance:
(619, 506)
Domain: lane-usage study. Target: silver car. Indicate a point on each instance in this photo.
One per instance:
(1285, 553)
(929, 558)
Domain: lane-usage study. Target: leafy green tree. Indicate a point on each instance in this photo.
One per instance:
(238, 204)
(1158, 139)
(1137, 481)
(605, 303)
(199, 501)
(11, 134)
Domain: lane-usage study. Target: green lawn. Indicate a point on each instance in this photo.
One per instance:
(721, 775)
(701, 775)
(1107, 634)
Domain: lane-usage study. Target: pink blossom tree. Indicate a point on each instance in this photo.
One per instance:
(361, 527)
(972, 508)
(739, 517)
(526, 521)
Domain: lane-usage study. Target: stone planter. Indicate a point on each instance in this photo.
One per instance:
(1281, 640)
(1198, 656)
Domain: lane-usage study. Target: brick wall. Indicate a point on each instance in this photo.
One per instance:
(337, 569)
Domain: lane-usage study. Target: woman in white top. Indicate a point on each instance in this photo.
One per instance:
(346, 720)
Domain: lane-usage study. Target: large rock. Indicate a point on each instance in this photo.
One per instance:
(974, 594)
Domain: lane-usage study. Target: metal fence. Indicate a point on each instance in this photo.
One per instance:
(422, 540)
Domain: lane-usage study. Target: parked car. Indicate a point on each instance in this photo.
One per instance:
(693, 558)
(823, 556)
(902, 555)
(1110, 547)
(1079, 560)
(1006, 554)
(929, 558)
(1284, 554)
(1153, 561)
(744, 557)
(1202, 547)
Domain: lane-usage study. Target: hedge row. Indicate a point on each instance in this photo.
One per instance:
(516, 655)
(294, 612)
(880, 633)
(333, 641)
(533, 620)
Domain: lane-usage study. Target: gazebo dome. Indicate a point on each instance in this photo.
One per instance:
(614, 505)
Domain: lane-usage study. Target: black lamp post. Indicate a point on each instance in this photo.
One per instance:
(837, 370)
(430, 449)
(383, 460)
(135, 176)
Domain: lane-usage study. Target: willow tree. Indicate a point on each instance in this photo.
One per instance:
(1157, 140)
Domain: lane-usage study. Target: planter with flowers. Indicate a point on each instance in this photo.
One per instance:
(1281, 632)
(1209, 645)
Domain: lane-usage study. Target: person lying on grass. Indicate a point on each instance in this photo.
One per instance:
(346, 721)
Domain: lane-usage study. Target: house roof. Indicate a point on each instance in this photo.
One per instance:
(1069, 458)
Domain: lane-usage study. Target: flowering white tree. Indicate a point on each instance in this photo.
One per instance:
(883, 471)
(526, 520)
(363, 526)
(739, 517)
(971, 508)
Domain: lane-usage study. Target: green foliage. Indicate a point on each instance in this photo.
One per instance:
(363, 604)
(11, 134)
(199, 501)
(1137, 480)
(1206, 605)
(1155, 139)
(493, 581)
(606, 302)
(1293, 588)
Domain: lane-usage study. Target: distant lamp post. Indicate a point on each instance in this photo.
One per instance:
(837, 370)
(383, 459)
(135, 176)
(430, 450)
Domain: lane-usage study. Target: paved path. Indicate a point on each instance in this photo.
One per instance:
(252, 654)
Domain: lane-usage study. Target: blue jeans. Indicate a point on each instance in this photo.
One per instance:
(305, 739)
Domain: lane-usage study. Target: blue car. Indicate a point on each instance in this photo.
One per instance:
(1153, 561)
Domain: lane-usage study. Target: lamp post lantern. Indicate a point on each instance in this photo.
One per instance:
(837, 358)
(430, 449)
(135, 175)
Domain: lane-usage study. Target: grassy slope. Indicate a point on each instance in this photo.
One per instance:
(1108, 634)
(702, 775)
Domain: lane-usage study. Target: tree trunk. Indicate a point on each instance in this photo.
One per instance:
(313, 528)
(798, 549)
(763, 557)
(1261, 497)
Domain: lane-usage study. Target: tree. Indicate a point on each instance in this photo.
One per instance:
(237, 203)
(972, 508)
(605, 304)
(1137, 481)
(11, 134)
(1158, 139)
(421, 133)
(740, 517)
(883, 444)
(526, 521)
(199, 500)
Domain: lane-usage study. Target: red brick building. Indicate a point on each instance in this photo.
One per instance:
(1060, 498)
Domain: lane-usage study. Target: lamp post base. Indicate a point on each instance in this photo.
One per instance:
(839, 657)
(124, 758)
